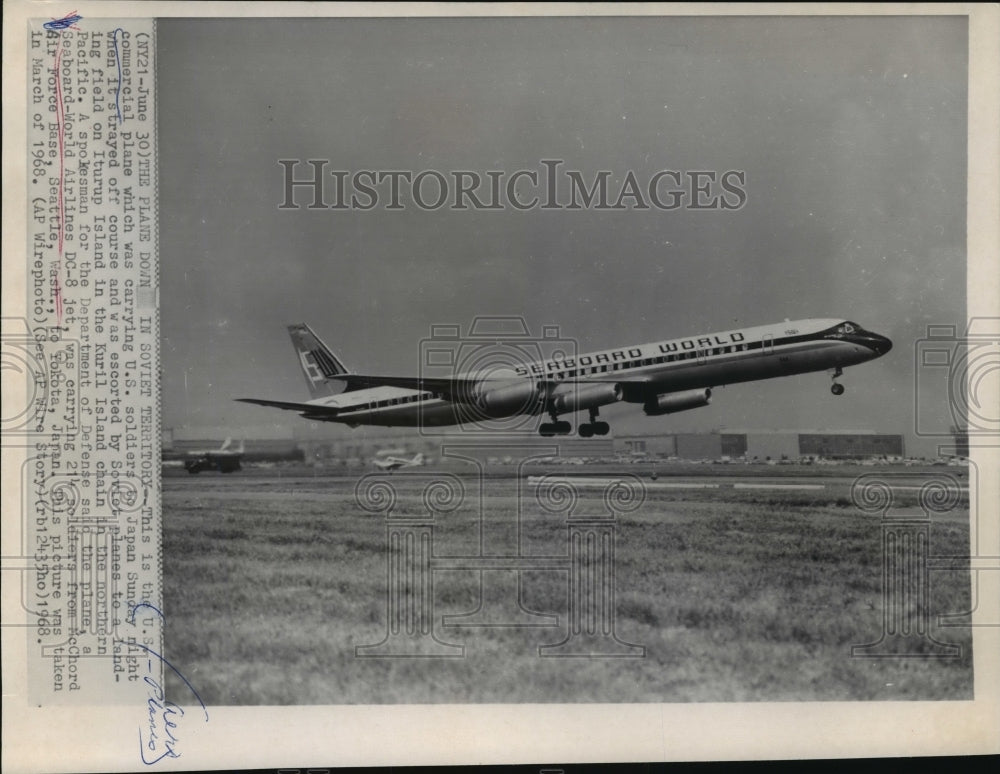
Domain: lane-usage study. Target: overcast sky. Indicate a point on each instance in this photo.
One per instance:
(851, 133)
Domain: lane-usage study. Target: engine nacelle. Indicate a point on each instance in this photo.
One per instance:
(672, 402)
(513, 398)
(574, 397)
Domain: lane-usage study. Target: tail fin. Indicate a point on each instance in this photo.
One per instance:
(320, 366)
(226, 444)
(242, 447)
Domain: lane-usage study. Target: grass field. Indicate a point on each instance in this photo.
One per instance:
(736, 595)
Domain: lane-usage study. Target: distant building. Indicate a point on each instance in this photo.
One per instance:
(773, 446)
(699, 446)
(763, 445)
(733, 444)
(652, 445)
(850, 445)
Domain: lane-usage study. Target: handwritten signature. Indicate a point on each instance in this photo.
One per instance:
(118, 64)
(158, 732)
(66, 22)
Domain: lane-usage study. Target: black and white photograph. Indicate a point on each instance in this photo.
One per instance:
(540, 263)
(506, 384)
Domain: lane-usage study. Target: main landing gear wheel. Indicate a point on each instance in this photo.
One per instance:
(593, 427)
(548, 429)
(835, 388)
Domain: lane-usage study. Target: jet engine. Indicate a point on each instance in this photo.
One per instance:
(574, 397)
(512, 398)
(672, 402)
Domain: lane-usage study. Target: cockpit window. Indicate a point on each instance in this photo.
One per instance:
(846, 328)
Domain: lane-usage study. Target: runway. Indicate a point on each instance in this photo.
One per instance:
(717, 480)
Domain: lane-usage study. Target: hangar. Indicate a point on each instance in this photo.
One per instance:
(764, 444)
(358, 448)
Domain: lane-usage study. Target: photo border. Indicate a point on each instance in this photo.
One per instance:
(71, 739)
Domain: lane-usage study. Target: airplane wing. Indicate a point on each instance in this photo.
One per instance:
(457, 390)
(310, 408)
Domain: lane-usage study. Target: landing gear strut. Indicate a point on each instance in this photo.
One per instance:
(593, 427)
(836, 388)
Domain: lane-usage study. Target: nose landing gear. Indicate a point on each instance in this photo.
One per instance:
(836, 388)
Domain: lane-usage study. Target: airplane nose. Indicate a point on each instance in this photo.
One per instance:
(882, 344)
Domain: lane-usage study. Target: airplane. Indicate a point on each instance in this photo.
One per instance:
(390, 462)
(663, 377)
(223, 459)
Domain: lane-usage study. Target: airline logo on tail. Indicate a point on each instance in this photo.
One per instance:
(326, 363)
(319, 364)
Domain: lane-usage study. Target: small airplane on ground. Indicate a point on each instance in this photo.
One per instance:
(223, 459)
(663, 377)
(390, 462)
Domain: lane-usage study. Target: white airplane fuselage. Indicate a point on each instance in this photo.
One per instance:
(636, 374)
